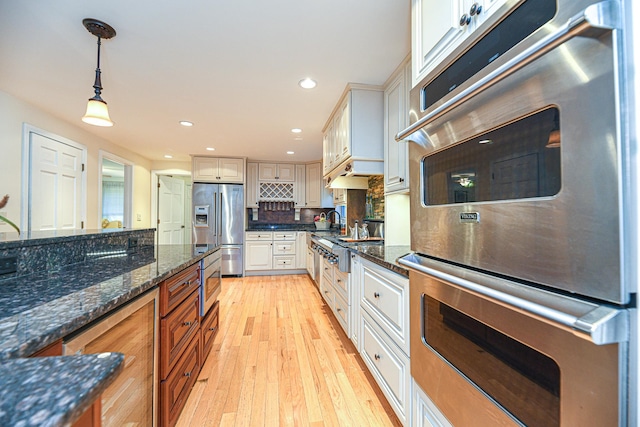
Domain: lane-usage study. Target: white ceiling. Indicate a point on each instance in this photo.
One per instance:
(231, 67)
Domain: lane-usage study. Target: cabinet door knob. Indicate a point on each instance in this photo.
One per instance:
(187, 323)
(376, 295)
(475, 9)
(376, 356)
(187, 374)
(465, 20)
(401, 179)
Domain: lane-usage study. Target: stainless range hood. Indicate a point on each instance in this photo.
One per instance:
(353, 174)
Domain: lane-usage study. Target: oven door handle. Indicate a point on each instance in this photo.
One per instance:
(601, 324)
(593, 21)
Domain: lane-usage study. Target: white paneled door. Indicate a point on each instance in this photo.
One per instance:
(171, 210)
(55, 190)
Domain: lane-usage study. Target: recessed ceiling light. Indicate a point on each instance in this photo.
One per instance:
(211, 149)
(296, 130)
(168, 156)
(297, 138)
(307, 83)
(186, 123)
(291, 152)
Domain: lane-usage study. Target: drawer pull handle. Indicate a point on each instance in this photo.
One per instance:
(339, 309)
(376, 295)
(376, 356)
(212, 329)
(187, 323)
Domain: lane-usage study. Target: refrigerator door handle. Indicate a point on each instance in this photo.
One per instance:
(219, 219)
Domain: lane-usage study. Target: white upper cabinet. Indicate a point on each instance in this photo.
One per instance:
(353, 134)
(396, 118)
(218, 169)
(317, 196)
(439, 27)
(299, 193)
(251, 193)
(277, 172)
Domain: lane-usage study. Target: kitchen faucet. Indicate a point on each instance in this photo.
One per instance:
(337, 213)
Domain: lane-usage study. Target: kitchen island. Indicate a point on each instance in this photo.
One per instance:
(57, 299)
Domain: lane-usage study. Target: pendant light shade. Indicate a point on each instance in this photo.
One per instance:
(97, 111)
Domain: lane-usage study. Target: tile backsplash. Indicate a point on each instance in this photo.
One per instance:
(375, 196)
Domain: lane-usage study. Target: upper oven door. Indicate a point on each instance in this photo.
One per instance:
(517, 171)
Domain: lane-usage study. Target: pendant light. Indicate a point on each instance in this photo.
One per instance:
(97, 112)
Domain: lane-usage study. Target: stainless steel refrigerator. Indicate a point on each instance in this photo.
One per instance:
(218, 219)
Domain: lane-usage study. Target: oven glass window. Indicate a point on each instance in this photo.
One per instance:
(525, 382)
(525, 20)
(518, 161)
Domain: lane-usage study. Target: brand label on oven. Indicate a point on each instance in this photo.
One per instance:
(466, 217)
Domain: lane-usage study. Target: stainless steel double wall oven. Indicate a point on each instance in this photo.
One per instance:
(520, 293)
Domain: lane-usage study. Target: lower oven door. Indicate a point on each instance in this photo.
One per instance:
(490, 352)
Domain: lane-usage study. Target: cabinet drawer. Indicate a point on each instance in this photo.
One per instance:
(342, 313)
(326, 290)
(259, 235)
(174, 391)
(284, 262)
(284, 247)
(327, 270)
(341, 283)
(389, 366)
(209, 328)
(281, 235)
(175, 289)
(176, 331)
(385, 296)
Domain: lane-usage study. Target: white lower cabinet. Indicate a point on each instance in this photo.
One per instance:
(259, 255)
(389, 366)
(272, 251)
(383, 336)
(355, 278)
(310, 261)
(301, 253)
(425, 413)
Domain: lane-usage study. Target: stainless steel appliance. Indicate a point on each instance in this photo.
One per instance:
(130, 330)
(335, 253)
(211, 281)
(517, 191)
(218, 219)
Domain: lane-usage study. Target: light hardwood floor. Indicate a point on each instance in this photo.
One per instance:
(281, 359)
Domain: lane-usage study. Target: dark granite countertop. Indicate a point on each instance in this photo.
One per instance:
(40, 308)
(10, 239)
(54, 391)
(281, 227)
(385, 256)
(373, 250)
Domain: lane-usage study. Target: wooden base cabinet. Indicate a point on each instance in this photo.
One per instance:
(209, 329)
(181, 351)
(175, 389)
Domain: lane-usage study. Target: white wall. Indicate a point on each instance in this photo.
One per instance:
(14, 112)
(397, 230)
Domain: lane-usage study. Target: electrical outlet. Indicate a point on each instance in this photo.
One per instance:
(139, 217)
(133, 242)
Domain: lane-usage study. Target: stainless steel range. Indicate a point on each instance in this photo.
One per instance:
(333, 252)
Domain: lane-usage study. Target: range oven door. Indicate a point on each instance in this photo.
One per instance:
(211, 283)
(490, 352)
(517, 170)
